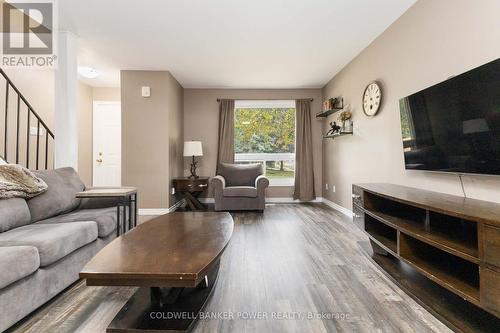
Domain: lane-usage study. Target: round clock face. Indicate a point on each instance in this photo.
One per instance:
(372, 98)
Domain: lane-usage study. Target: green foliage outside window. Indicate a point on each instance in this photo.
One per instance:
(264, 130)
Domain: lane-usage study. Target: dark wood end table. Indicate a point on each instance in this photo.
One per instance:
(191, 189)
(127, 199)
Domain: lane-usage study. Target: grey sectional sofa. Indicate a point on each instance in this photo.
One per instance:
(46, 241)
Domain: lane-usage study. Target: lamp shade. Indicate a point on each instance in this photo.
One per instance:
(192, 148)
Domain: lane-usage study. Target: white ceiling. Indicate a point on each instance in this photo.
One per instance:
(227, 43)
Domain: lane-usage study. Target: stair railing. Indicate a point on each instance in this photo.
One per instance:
(41, 127)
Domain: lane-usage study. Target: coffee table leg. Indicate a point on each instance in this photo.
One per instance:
(130, 226)
(118, 218)
(164, 309)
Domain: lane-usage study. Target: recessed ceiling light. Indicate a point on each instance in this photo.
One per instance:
(88, 72)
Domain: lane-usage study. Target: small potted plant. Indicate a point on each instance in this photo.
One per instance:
(344, 117)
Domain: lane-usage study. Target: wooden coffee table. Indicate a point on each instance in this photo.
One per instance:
(174, 259)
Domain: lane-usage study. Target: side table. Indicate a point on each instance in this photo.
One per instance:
(127, 199)
(190, 189)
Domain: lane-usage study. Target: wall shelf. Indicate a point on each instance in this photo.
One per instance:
(337, 135)
(326, 113)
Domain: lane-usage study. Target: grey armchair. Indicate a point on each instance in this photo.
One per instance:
(240, 187)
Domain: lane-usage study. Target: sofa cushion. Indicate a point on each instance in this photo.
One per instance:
(13, 213)
(53, 241)
(240, 191)
(17, 262)
(104, 217)
(240, 174)
(59, 198)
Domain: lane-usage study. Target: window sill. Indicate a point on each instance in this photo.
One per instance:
(281, 182)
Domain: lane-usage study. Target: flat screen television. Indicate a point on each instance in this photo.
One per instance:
(454, 126)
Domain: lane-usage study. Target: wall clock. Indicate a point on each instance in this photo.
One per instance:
(372, 98)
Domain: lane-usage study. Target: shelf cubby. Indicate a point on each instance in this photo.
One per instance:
(382, 233)
(450, 271)
(452, 234)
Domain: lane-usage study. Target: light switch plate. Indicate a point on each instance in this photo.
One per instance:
(146, 91)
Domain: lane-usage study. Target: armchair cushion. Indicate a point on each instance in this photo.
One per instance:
(240, 174)
(240, 191)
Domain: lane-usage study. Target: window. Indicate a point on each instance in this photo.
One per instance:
(264, 132)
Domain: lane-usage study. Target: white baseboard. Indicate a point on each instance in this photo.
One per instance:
(269, 200)
(160, 211)
(289, 200)
(338, 207)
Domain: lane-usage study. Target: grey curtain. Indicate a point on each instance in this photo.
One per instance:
(304, 174)
(225, 152)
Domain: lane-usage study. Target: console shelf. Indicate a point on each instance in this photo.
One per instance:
(452, 241)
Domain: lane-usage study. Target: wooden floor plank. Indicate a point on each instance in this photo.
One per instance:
(294, 259)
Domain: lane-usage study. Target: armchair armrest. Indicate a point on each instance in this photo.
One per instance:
(261, 183)
(218, 182)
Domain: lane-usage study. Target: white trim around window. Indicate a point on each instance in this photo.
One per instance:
(264, 104)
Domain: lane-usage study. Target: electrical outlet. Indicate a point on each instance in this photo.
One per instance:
(172, 190)
(326, 186)
(333, 188)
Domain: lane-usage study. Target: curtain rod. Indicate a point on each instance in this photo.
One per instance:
(264, 99)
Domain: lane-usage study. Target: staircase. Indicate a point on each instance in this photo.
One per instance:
(25, 139)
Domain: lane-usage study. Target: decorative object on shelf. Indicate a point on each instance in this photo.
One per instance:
(334, 128)
(331, 106)
(345, 117)
(372, 99)
(193, 148)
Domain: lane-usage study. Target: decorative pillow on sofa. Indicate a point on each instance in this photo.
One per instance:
(19, 182)
(63, 184)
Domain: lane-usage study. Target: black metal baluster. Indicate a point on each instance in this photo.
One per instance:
(28, 141)
(37, 142)
(6, 119)
(17, 128)
(46, 147)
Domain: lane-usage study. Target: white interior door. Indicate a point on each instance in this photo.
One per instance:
(107, 150)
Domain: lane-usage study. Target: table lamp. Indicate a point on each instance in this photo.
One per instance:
(193, 148)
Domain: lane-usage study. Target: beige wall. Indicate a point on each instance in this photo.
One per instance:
(175, 131)
(432, 41)
(201, 121)
(84, 100)
(106, 94)
(37, 86)
(146, 134)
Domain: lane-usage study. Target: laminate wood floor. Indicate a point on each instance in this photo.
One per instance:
(294, 262)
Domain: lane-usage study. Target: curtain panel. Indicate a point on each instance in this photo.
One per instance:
(304, 174)
(225, 152)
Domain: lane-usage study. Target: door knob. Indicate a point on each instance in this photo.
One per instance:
(99, 160)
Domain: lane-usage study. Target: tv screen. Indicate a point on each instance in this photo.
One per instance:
(454, 126)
